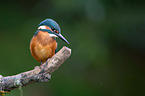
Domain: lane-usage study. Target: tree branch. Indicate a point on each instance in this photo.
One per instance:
(40, 73)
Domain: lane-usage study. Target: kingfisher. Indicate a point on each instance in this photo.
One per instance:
(43, 44)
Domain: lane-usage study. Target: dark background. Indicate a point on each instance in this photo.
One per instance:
(107, 38)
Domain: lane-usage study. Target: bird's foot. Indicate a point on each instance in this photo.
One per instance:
(41, 62)
(47, 61)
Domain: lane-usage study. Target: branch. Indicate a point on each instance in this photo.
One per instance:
(40, 73)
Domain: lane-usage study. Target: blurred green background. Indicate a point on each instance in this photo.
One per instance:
(107, 38)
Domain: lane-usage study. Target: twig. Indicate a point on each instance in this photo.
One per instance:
(38, 74)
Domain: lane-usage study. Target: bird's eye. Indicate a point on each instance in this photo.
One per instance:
(54, 30)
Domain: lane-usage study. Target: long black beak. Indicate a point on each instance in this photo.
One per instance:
(61, 37)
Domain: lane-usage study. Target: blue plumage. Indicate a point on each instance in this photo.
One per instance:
(50, 23)
(36, 33)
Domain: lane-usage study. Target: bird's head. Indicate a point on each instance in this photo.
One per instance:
(50, 26)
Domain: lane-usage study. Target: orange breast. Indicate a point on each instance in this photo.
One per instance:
(42, 46)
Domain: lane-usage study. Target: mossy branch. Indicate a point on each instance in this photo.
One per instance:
(40, 73)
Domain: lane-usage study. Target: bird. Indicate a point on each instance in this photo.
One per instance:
(43, 44)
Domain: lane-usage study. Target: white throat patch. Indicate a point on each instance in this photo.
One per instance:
(52, 35)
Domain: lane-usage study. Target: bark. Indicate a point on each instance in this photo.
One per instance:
(40, 73)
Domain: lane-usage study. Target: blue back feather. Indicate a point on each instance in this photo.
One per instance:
(36, 33)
